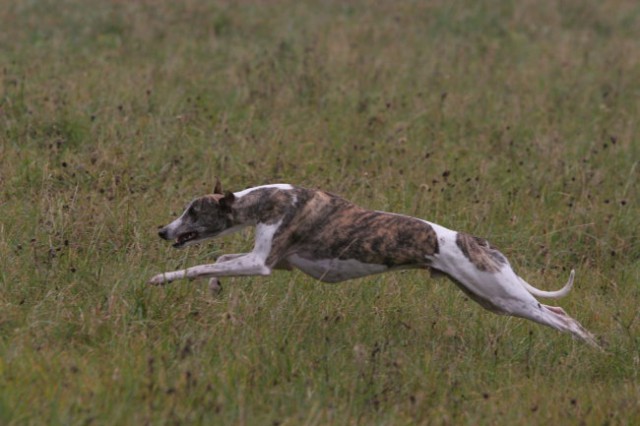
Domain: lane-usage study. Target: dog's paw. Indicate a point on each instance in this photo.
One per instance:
(215, 286)
(159, 279)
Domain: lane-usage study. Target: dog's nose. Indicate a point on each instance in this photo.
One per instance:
(163, 233)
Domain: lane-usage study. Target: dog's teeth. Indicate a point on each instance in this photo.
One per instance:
(185, 237)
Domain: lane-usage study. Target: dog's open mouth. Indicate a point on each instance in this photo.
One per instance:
(185, 238)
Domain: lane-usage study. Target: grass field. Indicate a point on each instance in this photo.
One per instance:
(517, 121)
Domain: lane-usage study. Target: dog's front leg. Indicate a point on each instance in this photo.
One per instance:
(215, 286)
(228, 257)
(243, 265)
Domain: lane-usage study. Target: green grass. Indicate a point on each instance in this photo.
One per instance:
(517, 122)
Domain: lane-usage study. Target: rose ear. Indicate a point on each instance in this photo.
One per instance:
(227, 200)
(217, 189)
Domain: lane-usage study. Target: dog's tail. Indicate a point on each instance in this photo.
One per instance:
(550, 294)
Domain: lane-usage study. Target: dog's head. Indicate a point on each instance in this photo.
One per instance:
(205, 217)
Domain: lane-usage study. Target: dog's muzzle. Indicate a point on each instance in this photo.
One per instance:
(180, 240)
(164, 234)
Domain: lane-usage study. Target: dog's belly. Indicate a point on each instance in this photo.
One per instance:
(335, 270)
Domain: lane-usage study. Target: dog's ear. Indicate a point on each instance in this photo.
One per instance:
(217, 189)
(227, 201)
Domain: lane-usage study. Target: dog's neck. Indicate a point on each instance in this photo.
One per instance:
(260, 205)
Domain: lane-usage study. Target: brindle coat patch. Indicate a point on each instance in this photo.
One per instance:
(325, 226)
(205, 216)
(480, 253)
(266, 205)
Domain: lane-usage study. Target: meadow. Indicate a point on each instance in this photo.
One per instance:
(516, 121)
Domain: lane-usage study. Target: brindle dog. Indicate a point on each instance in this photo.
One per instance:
(332, 240)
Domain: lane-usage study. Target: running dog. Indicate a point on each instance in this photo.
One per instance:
(332, 240)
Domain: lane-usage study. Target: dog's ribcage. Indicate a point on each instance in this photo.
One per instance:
(333, 240)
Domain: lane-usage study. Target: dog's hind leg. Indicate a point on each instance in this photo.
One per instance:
(502, 292)
(556, 317)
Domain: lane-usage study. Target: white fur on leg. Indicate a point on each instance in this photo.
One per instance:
(504, 292)
(563, 322)
(228, 257)
(215, 287)
(248, 264)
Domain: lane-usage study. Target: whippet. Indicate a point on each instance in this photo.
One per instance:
(332, 240)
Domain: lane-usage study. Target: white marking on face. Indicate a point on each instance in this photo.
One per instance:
(335, 270)
(284, 186)
(173, 227)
